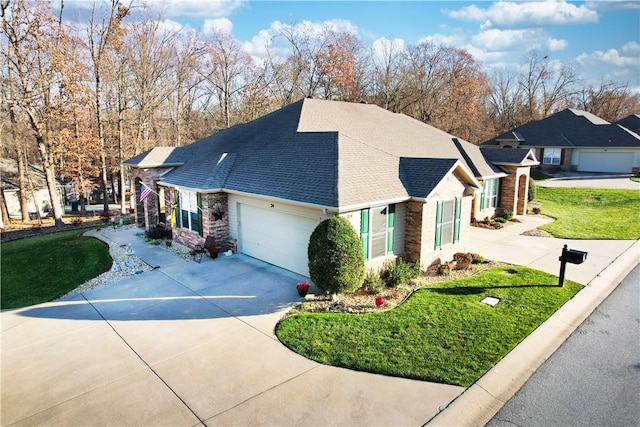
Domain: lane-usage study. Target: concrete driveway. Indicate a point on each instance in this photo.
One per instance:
(586, 180)
(187, 344)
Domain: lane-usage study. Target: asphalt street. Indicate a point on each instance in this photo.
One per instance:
(594, 377)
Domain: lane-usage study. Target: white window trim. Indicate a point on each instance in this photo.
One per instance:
(551, 156)
(187, 199)
(491, 193)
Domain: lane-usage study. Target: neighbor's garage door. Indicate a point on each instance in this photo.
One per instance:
(605, 162)
(276, 237)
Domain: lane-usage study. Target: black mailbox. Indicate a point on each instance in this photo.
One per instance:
(569, 256)
(574, 256)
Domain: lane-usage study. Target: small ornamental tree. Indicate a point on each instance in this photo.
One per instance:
(531, 193)
(336, 258)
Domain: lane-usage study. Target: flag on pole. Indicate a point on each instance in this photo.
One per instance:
(144, 193)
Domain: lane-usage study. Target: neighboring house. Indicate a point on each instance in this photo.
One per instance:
(575, 140)
(11, 190)
(408, 188)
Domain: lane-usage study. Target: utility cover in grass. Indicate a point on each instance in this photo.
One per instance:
(490, 301)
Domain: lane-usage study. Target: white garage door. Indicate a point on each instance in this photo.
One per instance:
(276, 237)
(605, 162)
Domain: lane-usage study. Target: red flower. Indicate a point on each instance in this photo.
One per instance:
(303, 285)
(379, 301)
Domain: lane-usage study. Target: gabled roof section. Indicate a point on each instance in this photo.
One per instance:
(631, 122)
(570, 128)
(209, 172)
(421, 176)
(477, 163)
(510, 156)
(511, 136)
(157, 157)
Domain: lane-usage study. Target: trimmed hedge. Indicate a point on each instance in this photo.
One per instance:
(336, 258)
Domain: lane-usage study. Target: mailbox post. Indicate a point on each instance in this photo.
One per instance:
(569, 256)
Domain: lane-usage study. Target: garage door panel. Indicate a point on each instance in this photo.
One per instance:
(618, 162)
(276, 237)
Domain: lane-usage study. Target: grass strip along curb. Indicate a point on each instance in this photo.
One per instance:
(40, 269)
(442, 333)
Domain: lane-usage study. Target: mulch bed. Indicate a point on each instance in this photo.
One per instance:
(360, 301)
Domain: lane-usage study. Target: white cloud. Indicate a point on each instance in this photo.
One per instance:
(219, 24)
(609, 5)
(462, 41)
(457, 40)
(556, 45)
(383, 45)
(198, 8)
(509, 41)
(278, 46)
(631, 49)
(505, 14)
(382, 48)
(496, 40)
(258, 45)
(171, 26)
(619, 65)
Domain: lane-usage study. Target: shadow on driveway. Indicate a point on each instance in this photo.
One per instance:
(229, 287)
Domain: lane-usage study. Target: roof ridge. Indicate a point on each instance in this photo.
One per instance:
(366, 144)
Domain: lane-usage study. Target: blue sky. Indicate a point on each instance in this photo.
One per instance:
(601, 38)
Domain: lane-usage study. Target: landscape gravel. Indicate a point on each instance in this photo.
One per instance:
(122, 267)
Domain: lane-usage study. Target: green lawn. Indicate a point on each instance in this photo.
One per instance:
(443, 333)
(537, 175)
(40, 269)
(591, 213)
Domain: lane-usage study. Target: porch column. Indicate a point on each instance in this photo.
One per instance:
(413, 231)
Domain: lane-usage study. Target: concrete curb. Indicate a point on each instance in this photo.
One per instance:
(477, 405)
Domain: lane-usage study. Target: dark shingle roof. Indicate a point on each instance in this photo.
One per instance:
(631, 122)
(515, 156)
(570, 128)
(328, 153)
(420, 176)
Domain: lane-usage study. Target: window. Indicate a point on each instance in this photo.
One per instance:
(190, 211)
(377, 231)
(448, 222)
(490, 191)
(551, 156)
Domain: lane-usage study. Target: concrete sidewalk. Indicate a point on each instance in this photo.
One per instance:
(608, 262)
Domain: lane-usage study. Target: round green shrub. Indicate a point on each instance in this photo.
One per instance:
(336, 258)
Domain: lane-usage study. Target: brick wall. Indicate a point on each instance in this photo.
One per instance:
(421, 230)
(413, 231)
(218, 228)
(147, 213)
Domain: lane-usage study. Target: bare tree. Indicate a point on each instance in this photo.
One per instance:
(506, 104)
(387, 77)
(610, 101)
(225, 66)
(104, 33)
(35, 43)
(547, 86)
